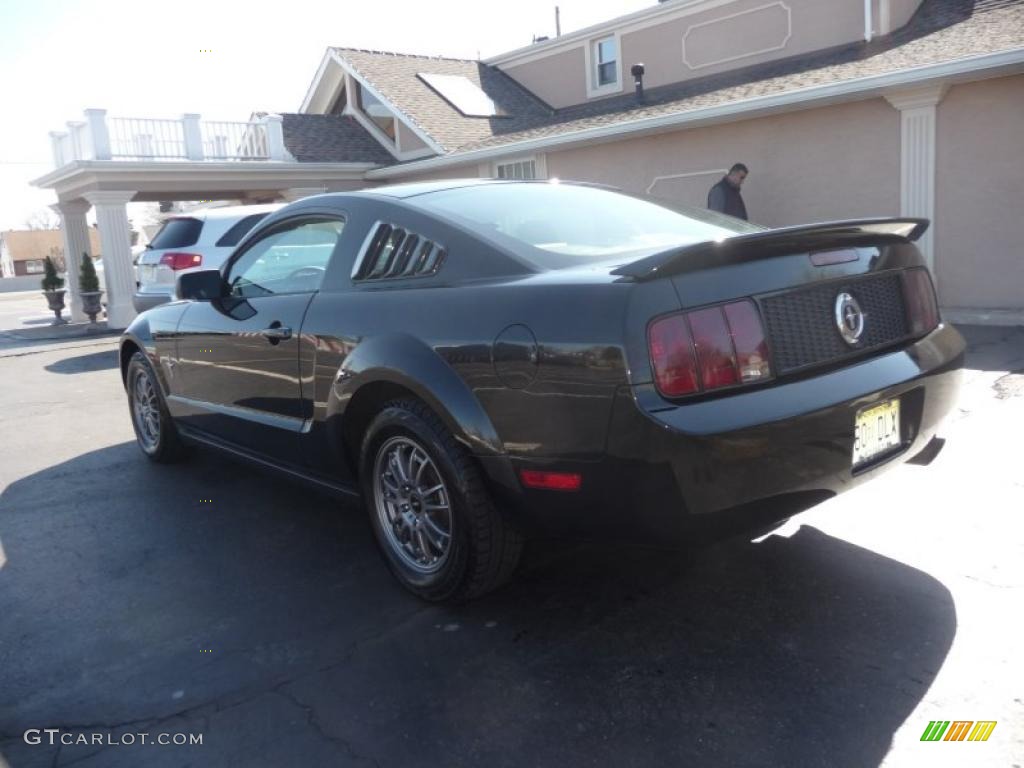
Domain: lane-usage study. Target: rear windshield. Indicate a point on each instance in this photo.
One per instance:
(567, 224)
(238, 231)
(177, 233)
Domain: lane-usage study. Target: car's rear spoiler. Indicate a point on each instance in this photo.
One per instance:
(806, 238)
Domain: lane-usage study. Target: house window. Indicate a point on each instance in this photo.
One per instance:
(338, 107)
(34, 266)
(377, 112)
(606, 61)
(521, 169)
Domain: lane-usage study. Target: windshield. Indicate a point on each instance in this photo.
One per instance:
(568, 224)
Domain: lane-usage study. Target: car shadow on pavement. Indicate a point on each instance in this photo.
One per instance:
(209, 597)
(96, 361)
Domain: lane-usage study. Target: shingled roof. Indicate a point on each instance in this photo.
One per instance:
(394, 76)
(331, 139)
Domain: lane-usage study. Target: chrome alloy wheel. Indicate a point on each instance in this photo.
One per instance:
(413, 505)
(146, 411)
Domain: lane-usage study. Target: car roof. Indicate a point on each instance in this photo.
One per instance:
(412, 189)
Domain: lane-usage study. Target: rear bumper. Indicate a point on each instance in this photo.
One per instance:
(144, 301)
(669, 472)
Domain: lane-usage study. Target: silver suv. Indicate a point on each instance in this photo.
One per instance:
(200, 239)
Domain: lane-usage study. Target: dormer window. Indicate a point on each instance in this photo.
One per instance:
(606, 59)
(380, 115)
(604, 66)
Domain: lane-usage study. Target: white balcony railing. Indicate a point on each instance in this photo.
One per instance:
(187, 138)
(146, 139)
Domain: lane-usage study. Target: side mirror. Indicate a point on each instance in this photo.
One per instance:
(200, 285)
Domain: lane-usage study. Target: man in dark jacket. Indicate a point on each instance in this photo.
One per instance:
(725, 197)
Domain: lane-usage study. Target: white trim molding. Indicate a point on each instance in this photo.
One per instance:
(624, 25)
(399, 114)
(917, 159)
(655, 181)
(590, 62)
(718, 20)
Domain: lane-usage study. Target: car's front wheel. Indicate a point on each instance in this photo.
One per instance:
(432, 516)
(154, 429)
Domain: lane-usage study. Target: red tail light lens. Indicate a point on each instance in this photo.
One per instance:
(675, 365)
(919, 295)
(177, 261)
(708, 349)
(748, 339)
(715, 354)
(551, 481)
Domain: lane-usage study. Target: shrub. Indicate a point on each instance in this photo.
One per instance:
(51, 280)
(88, 282)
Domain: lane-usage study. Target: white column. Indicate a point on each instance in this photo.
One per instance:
(297, 193)
(917, 159)
(115, 244)
(76, 242)
(274, 125)
(97, 120)
(193, 136)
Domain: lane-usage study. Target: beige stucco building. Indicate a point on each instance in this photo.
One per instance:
(840, 108)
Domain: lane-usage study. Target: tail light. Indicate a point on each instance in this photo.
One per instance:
(708, 349)
(919, 297)
(551, 481)
(176, 260)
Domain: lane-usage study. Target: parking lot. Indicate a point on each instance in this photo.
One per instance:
(212, 598)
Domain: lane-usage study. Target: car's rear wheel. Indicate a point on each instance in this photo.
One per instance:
(432, 516)
(154, 430)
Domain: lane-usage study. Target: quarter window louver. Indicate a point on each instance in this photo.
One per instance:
(394, 252)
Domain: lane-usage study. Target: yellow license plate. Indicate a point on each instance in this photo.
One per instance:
(876, 430)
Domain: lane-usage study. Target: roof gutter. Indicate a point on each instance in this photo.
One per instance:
(972, 67)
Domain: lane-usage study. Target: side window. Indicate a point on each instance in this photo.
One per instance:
(289, 260)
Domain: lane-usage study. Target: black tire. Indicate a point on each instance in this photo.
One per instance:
(157, 436)
(482, 548)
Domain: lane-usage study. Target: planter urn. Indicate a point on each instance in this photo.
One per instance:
(55, 300)
(91, 304)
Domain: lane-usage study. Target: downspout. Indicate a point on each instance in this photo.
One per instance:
(867, 20)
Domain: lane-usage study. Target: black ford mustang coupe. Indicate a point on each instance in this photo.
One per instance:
(481, 361)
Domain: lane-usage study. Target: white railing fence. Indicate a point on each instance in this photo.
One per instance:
(187, 138)
(234, 141)
(146, 139)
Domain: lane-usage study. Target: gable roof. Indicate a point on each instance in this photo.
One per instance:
(394, 77)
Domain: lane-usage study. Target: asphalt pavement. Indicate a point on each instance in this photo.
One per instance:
(214, 600)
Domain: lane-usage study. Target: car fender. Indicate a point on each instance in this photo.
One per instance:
(402, 359)
(144, 331)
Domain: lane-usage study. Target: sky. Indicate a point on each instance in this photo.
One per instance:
(149, 59)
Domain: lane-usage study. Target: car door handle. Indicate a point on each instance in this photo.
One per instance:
(276, 333)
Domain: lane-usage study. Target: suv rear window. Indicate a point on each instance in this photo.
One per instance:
(177, 233)
(240, 228)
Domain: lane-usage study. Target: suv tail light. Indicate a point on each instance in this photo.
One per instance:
(176, 260)
(919, 296)
(708, 349)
